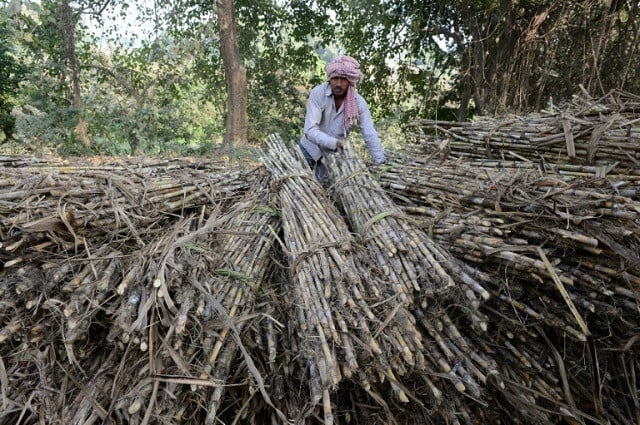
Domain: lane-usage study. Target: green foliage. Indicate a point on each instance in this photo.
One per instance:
(45, 117)
(165, 92)
(142, 99)
(11, 73)
(487, 56)
(40, 131)
(274, 44)
(148, 101)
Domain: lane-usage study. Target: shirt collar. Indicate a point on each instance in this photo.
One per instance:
(327, 89)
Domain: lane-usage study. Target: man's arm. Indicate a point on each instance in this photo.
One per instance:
(369, 132)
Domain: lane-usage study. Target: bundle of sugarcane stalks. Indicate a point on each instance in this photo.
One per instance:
(431, 290)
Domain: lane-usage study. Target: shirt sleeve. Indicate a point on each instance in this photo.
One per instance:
(369, 133)
(315, 108)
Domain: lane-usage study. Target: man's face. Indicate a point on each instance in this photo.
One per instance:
(339, 86)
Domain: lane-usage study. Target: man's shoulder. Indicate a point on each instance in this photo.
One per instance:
(361, 101)
(321, 89)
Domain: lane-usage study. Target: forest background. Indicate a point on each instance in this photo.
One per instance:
(186, 77)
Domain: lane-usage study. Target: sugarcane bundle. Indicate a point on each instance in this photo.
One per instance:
(69, 319)
(63, 327)
(456, 185)
(333, 303)
(148, 166)
(447, 183)
(212, 306)
(592, 218)
(387, 235)
(414, 264)
(414, 182)
(544, 376)
(495, 244)
(163, 317)
(594, 132)
(316, 242)
(228, 273)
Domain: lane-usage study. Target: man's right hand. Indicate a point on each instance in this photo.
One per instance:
(339, 145)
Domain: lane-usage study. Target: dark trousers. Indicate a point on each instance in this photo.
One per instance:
(318, 167)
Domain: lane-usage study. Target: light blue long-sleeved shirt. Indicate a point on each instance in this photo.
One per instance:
(324, 125)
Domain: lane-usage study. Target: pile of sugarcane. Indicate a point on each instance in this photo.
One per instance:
(134, 312)
(427, 290)
(85, 200)
(559, 251)
(599, 132)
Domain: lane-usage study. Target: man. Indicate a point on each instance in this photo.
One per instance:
(332, 108)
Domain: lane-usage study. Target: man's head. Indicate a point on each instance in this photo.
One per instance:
(344, 67)
(343, 73)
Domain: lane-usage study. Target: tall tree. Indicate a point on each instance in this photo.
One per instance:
(11, 72)
(235, 76)
(66, 24)
(50, 39)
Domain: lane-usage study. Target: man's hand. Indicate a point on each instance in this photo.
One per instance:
(339, 145)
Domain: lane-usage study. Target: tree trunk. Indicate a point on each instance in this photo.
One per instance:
(235, 76)
(67, 27)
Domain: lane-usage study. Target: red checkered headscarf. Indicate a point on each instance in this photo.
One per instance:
(349, 68)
